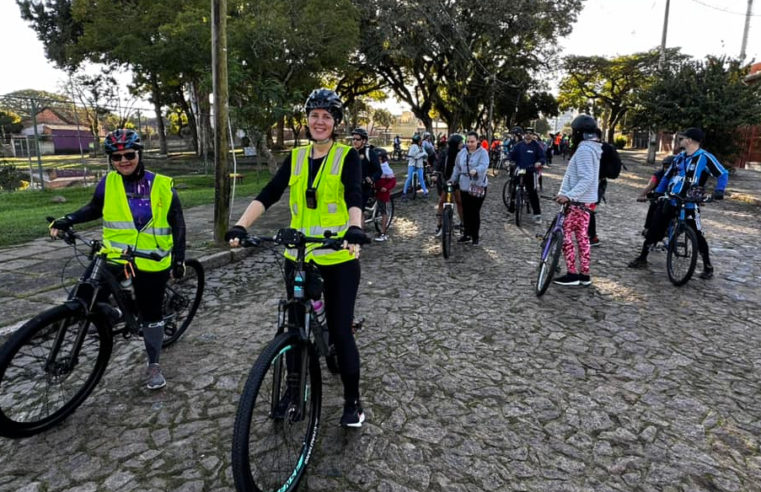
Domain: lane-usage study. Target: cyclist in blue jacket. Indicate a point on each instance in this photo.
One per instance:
(529, 155)
(689, 169)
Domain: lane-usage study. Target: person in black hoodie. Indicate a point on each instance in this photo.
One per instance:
(445, 165)
(609, 152)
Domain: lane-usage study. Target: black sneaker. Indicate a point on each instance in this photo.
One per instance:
(568, 279)
(353, 414)
(638, 262)
(464, 239)
(584, 280)
(476, 242)
(707, 273)
(594, 242)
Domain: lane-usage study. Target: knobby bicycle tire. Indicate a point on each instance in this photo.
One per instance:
(256, 398)
(683, 243)
(181, 295)
(22, 371)
(506, 191)
(548, 265)
(378, 218)
(518, 206)
(446, 233)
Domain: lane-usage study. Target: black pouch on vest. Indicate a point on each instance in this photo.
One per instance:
(311, 195)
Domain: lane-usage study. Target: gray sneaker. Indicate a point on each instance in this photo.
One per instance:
(537, 219)
(153, 378)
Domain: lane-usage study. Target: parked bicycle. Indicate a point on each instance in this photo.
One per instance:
(498, 161)
(278, 417)
(447, 221)
(552, 246)
(682, 252)
(518, 188)
(373, 214)
(54, 361)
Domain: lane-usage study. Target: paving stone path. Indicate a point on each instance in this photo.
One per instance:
(469, 381)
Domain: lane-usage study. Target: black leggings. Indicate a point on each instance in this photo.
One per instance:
(471, 209)
(659, 227)
(340, 287)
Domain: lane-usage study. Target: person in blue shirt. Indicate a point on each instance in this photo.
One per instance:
(529, 155)
(691, 168)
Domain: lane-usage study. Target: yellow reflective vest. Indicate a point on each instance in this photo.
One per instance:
(119, 229)
(331, 213)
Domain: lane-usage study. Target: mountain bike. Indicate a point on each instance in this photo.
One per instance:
(397, 153)
(552, 246)
(447, 221)
(373, 215)
(521, 195)
(498, 161)
(54, 361)
(682, 253)
(278, 416)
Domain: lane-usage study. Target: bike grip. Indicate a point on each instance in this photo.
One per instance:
(50, 219)
(155, 256)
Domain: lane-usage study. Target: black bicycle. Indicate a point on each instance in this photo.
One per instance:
(278, 417)
(521, 195)
(682, 255)
(54, 361)
(373, 213)
(447, 221)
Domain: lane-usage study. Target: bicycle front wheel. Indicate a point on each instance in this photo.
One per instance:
(682, 255)
(415, 185)
(518, 207)
(39, 390)
(273, 439)
(506, 194)
(181, 300)
(447, 224)
(549, 262)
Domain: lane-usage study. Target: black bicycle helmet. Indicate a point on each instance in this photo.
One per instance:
(328, 100)
(517, 131)
(122, 139)
(361, 132)
(383, 154)
(584, 124)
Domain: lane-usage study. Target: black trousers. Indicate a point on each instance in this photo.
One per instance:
(471, 210)
(659, 227)
(340, 287)
(149, 290)
(530, 180)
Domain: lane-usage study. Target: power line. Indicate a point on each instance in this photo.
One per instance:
(699, 2)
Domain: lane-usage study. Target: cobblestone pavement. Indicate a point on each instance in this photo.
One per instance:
(469, 381)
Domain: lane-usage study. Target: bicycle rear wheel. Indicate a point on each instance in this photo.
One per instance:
(518, 206)
(447, 224)
(506, 194)
(36, 394)
(272, 442)
(181, 300)
(549, 262)
(682, 255)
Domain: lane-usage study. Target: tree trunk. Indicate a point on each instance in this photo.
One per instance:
(204, 109)
(263, 152)
(188, 109)
(270, 142)
(280, 144)
(156, 100)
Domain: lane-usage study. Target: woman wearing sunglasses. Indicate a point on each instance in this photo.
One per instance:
(141, 210)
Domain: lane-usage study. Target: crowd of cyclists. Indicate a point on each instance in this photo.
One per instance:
(331, 183)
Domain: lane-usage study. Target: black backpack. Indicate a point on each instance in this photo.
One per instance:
(610, 162)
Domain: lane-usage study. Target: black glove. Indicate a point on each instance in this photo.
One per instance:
(236, 232)
(178, 270)
(62, 224)
(717, 195)
(355, 235)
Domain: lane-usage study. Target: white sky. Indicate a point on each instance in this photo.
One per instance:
(605, 27)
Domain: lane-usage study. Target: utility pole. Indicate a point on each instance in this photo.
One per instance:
(37, 143)
(139, 126)
(653, 140)
(489, 131)
(220, 90)
(747, 28)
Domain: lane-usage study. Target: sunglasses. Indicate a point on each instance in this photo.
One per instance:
(118, 157)
(357, 138)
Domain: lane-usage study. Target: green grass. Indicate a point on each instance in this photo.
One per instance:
(22, 213)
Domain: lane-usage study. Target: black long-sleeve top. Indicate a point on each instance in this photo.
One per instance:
(351, 177)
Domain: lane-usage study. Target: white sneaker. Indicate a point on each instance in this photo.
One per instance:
(381, 238)
(438, 231)
(537, 219)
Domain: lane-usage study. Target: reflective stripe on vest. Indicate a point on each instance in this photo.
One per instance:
(119, 229)
(331, 214)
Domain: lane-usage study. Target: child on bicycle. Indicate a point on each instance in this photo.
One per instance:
(648, 192)
(580, 186)
(383, 188)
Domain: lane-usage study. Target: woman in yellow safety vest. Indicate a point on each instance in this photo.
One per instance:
(325, 182)
(141, 210)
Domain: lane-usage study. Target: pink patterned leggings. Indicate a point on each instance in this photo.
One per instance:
(576, 223)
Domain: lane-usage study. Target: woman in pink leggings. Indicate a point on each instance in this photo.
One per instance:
(580, 186)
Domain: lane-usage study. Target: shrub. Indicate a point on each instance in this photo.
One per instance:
(620, 142)
(10, 177)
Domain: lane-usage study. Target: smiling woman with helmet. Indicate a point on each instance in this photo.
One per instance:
(140, 209)
(321, 171)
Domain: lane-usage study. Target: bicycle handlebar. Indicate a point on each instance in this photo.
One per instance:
(294, 238)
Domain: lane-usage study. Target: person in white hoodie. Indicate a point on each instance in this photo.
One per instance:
(580, 187)
(416, 157)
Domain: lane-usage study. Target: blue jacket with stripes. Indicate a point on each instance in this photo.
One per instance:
(692, 170)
